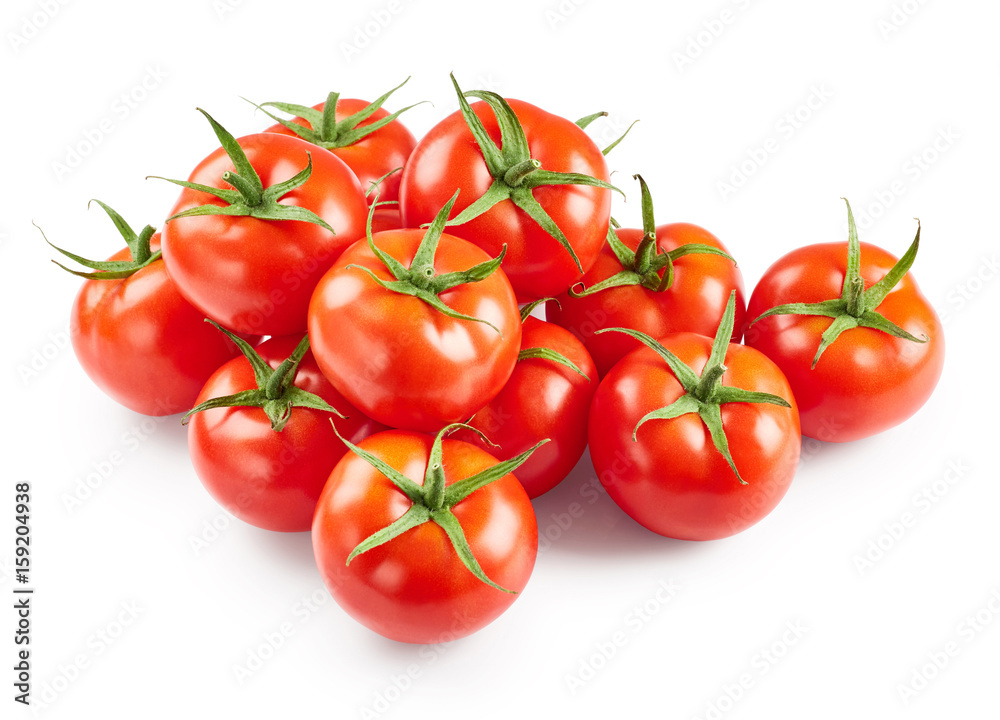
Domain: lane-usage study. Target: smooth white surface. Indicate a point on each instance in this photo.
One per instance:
(782, 607)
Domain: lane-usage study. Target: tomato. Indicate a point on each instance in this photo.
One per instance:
(419, 347)
(544, 398)
(255, 274)
(689, 456)
(569, 191)
(414, 568)
(884, 363)
(370, 153)
(688, 296)
(266, 477)
(134, 334)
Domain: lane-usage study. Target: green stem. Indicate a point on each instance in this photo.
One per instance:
(517, 173)
(247, 189)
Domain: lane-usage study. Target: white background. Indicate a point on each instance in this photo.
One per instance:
(785, 606)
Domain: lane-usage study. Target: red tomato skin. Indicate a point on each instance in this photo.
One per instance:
(866, 381)
(693, 303)
(398, 359)
(143, 344)
(448, 158)
(414, 588)
(374, 155)
(270, 479)
(256, 276)
(673, 481)
(542, 399)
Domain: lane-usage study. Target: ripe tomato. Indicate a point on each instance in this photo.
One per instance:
(425, 344)
(661, 279)
(255, 274)
(884, 362)
(364, 135)
(568, 192)
(416, 569)
(544, 398)
(135, 336)
(266, 477)
(668, 469)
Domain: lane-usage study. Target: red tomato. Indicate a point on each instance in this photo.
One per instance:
(542, 399)
(693, 303)
(140, 341)
(402, 361)
(415, 588)
(374, 155)
(672, 478)
(256, 275)
(448, 157)
(866, 380)
(267, 478)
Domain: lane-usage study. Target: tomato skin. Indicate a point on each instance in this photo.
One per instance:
(447, 157)
(542, 399)
(414, 588)
(374, 155)
(866, 381)
(270, 479)
(693, 303)
(397, 358)
(142, 343)
(673, 480)
(256, 276)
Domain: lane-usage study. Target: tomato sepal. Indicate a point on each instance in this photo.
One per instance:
(514, 171)
(138, 246)
(421, 280)
(647, 266)
(703, 395)
(324, 130)
(275, 393)
(856, 307)
(248, 198)
(433, 502)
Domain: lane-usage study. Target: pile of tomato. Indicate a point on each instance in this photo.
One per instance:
(349, 319)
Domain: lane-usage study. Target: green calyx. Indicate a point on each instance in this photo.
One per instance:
(704, 394)
(856, 306)
(276, 393)
(138, 246)
(433, 501)
(515, 173)
(544, 353)
(421, 280)
(647, 266)
(585, 122)
(248, 196)
(324, 129)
